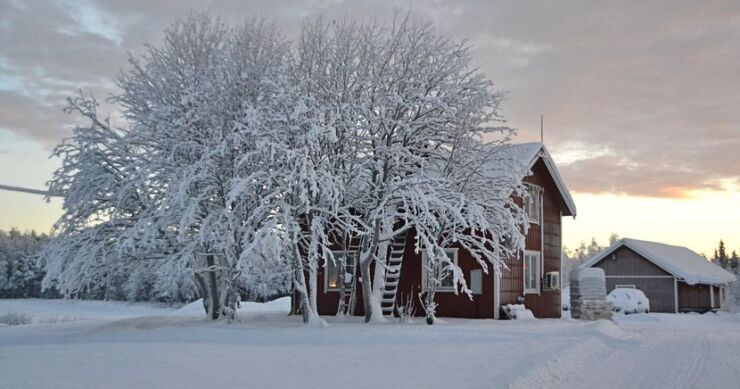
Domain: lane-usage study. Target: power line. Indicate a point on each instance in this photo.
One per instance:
(28, 190)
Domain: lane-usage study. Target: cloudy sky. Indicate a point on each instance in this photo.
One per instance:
(641, 100)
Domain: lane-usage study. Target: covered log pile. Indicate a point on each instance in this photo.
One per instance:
(588, 295)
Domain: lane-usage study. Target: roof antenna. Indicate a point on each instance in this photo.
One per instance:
(542, 129)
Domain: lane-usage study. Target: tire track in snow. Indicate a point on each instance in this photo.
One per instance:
(668, 363)
(660, 361)
(564, 369)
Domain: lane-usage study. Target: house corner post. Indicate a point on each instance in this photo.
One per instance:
(675, 295)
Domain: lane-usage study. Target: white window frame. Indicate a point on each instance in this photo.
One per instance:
(525, 269)
(440, 288)
(329, 262)
(629, 286)
(533, 203)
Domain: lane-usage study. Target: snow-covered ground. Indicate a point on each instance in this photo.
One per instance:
(115, 345)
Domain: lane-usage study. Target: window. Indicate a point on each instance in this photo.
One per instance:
(624, 286)
(444, 273)
(533, 203)
(531, 272)
(332, 279)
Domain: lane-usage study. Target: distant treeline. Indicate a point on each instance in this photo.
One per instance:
(20, 271)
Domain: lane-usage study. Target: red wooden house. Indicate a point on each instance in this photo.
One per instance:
(532, 277)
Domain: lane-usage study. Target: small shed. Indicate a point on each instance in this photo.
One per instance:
(674, 278)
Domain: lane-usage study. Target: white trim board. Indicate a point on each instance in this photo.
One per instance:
(538, 202)
(538, 276)
(675, 294)
(496, 294)
(639, 277)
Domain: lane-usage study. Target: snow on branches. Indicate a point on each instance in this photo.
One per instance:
(244, 155)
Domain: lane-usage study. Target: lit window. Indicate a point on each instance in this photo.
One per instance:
(332, 281)
(533, 203)
(531, 272)
(443, 272)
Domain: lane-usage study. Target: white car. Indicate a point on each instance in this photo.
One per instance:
(629, 300)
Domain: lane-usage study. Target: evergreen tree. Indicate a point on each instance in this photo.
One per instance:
(613, 238)
(722, 254)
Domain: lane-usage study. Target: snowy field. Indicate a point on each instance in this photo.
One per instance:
(116, 345)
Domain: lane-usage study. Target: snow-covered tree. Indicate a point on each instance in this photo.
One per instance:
(103, 198)
(151, 197)
(298, 191)
(20, 273)
(413, 109)
(177, 99)
(243, 155)
(203, 144)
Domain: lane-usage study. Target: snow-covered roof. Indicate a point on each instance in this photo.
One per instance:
(527, 154)
(676, 260)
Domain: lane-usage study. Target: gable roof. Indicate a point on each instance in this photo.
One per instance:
(676, 260)
(525, 155)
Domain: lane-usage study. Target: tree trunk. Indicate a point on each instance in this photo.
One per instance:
(213, 289)
(216, 288)
(209, 290)
(430, 307)
(341, 308)
(300, 287)
(379, 274)
(292, 302)
(203, 288)
(371, 304)
(313, 276)
(307, 310)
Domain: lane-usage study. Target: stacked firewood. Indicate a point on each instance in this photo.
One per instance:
(588, 295)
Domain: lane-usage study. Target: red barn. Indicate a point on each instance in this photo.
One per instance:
(533, 277)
